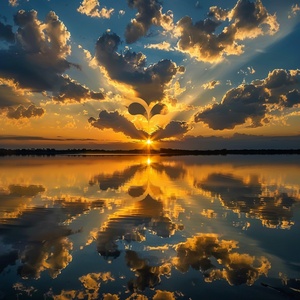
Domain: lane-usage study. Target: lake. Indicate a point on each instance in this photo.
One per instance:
(150, 227)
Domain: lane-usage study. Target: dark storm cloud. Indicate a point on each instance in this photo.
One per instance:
(37, 59)
(118, 123)
(246, 20)
(254, 101)
(23, 112)
(130, 68)
(149, 13)
(6, 33)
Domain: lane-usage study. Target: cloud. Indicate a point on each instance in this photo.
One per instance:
(149, 13)
(52, 255)
(121, 12)
(91, 8)
(166, 46)
(13, 2)
(294, 11)
(40, 138)
(164, 295)
(211, 84)
(173, 129)
(274, 211)
(25, 190)
(202, 41)
(216, 259)
(15, 199)
(115, 180)
(11, 94)
(71, 90)
(145, 274)
(118, 123)
(236, 142)
(92, 282)
(23, 112)
(253, 102)
(130, 68)
(130, 224)
(37, 59)
(6, 33)
(42, 243)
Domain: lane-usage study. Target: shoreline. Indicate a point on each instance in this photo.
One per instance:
(161, 152)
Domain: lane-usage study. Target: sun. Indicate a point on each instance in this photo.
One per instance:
(149, 142)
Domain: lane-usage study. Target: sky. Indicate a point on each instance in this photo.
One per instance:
(186, 74)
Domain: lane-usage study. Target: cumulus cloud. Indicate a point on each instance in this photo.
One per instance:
(13, 99)
(37, 59)
(130, 68)
(23, 112)
(201, 40)
(253, 102)
(211, 84)
(149, 13)
(92, 282)
(42, 243)
(118, 123)
(91, 8)
(52, 255)
(216, 259)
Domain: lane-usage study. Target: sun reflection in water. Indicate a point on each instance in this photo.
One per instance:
(149, 161)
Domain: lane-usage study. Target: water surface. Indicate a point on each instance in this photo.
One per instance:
(138, 227)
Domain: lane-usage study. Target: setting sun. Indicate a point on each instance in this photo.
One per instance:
(149, 142)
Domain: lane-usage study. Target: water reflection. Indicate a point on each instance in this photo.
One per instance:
(149, 227)
(275, 210)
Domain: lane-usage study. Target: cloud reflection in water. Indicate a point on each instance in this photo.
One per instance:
(152, 223)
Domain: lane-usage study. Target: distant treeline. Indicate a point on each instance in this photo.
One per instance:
(169, 151)
(53, 152)
(162, 151)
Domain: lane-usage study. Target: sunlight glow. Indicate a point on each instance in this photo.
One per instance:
(149, 142)
(149, 161)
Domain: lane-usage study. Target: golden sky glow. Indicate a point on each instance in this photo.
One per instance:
(130, 71)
